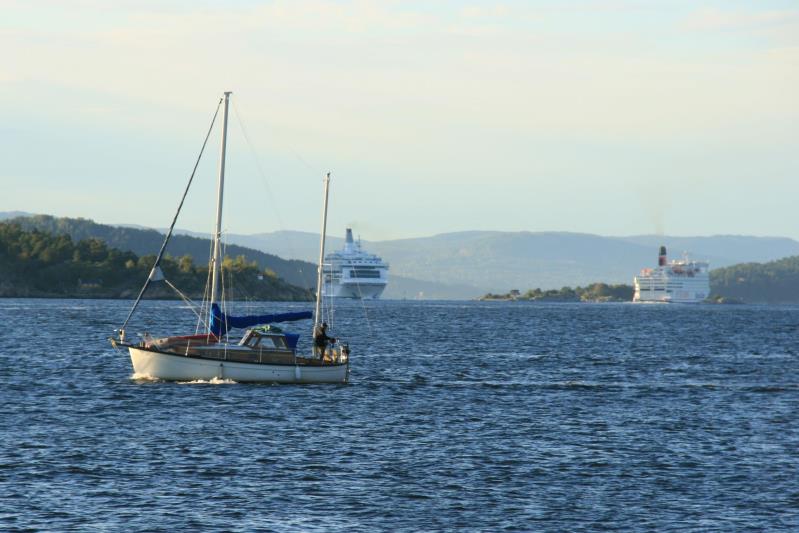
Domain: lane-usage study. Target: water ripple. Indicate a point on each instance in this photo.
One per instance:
(459, 416)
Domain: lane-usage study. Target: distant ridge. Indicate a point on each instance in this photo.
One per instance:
(495, 261)
(144, 241)
(727, 249)
(5, 215)
(458, 265)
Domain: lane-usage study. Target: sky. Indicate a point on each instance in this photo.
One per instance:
(614, 117)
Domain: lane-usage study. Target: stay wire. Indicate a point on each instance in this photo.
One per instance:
(225, 277)
(272, 198)
(187, 300)
(175, 218)
(365, 312)
(205, 309)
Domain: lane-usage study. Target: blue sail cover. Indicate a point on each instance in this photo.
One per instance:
(221, 323)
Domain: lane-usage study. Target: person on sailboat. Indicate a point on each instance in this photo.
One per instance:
(320, 339)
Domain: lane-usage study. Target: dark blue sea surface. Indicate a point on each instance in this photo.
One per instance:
(459, 416)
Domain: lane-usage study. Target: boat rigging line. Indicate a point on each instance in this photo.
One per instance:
(363, 304)
(206, 294)
(154, 273)
(264, 354)
(193, 306)
(275, 204)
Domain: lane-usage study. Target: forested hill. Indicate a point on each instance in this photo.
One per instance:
(38, 264)
(144, 242)
(772, 282)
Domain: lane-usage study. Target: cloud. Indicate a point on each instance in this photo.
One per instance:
(414, 79)
(492, 11)
(412, 94)
(732, 20)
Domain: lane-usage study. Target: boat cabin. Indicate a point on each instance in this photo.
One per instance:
(269, 339)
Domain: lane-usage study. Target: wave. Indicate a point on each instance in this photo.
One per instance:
(213, 381)
(143, 377)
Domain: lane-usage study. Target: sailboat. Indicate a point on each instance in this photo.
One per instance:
(263, 353)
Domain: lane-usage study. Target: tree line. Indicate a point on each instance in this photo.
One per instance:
(142, 242)
(35, 263)
(772, 282)
(595, 292)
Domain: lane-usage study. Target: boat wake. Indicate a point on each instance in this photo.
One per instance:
(147, 378)
(143, 377)
(212, 381)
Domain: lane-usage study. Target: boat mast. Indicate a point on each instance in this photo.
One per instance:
(216, 260)
(319, 269)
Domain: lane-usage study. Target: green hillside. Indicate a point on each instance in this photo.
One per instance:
(772, 282)
(144, 242)
(39, 264)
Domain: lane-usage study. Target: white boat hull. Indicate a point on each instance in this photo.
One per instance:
(171, 367)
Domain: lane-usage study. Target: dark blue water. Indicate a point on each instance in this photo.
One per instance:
(459, 416)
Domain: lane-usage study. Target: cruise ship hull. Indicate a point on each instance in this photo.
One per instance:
(357, 291)
(645, 298)
(670, 290)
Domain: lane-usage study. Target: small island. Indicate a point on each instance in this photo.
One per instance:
(595, 292)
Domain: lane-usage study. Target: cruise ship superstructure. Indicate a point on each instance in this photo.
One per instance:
(678, 281)
(354, 273)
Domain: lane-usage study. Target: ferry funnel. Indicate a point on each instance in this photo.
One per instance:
(349, 244)
(662, 256)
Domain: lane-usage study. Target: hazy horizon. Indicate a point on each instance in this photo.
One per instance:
(336, 233)
(609, 117)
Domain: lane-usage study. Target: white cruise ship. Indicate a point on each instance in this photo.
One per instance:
(680, 281)
(353, 273)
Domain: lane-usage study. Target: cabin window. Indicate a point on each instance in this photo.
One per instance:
(280, 342)
(363, 273)
(276, 342)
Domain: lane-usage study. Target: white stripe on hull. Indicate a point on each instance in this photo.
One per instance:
(179, 368)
